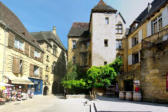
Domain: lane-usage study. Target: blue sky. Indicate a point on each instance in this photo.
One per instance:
(42, 15)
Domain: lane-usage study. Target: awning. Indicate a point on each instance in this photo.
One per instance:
(5, 85)
(18, 80)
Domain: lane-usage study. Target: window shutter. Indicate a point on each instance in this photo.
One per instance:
(149, 30)
(165, 16)
(31, 70)
(16, 65)
(140, 36)
(130, 60)
(32, 52)
(130, 43)
(11, 40)
(27, 49)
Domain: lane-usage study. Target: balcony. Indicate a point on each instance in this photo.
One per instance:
(154, 39)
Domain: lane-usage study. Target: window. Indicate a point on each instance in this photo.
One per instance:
(36, 54)
(107, 20)
(53, 67)
(74, 60)
(135, 58)
(157, 24)
(47, 68)
(74, 44)
(160, 22)
(48, 48)
(106, 43)
(135, 40)
(119, 28)
(54, 50)
(36, 70)
(21, 66)
(83, 59)
(105, 63)
(119, 44)
(47, 58)
(19, 44)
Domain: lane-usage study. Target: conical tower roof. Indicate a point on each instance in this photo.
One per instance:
(103, 7)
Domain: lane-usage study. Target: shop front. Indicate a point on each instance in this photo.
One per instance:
(38, 86)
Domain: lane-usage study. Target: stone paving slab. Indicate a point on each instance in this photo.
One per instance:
(46, 104)
(114, 105)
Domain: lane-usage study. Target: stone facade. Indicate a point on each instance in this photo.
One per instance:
(54, 60)
(144, 61)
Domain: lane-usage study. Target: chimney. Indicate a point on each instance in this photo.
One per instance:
(149, 6)
(54, 30)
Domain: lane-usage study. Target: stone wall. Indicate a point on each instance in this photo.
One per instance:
(153, 70)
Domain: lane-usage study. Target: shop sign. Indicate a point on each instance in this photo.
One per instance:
(167, 82)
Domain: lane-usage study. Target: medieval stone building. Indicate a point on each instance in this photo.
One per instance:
(145, 53)
(54, 60)
(96, 43)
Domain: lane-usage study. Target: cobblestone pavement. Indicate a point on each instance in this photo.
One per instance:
(46, 104)
(104, 104)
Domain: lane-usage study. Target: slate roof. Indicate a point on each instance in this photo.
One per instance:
(79, 29)
(145, 14)
(103, 7)
(46, 36)
(12, 22)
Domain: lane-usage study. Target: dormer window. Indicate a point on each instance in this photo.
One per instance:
(107, 20)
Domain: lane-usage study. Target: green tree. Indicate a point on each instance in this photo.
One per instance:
(71, 72)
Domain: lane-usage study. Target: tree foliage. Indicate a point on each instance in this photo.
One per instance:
(96, 77)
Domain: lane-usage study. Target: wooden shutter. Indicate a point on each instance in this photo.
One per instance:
(165, 17)
(31, 72)
(130, 60)
(149, 30)
(140, 36)
(32, 52)
(26, 49)
(16, 65)
(11, 39)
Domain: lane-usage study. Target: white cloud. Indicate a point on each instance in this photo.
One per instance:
(130, 9)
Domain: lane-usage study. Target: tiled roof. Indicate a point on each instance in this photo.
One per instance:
(46, 36)
(103, 7)
(79, 29)
(12, 22)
